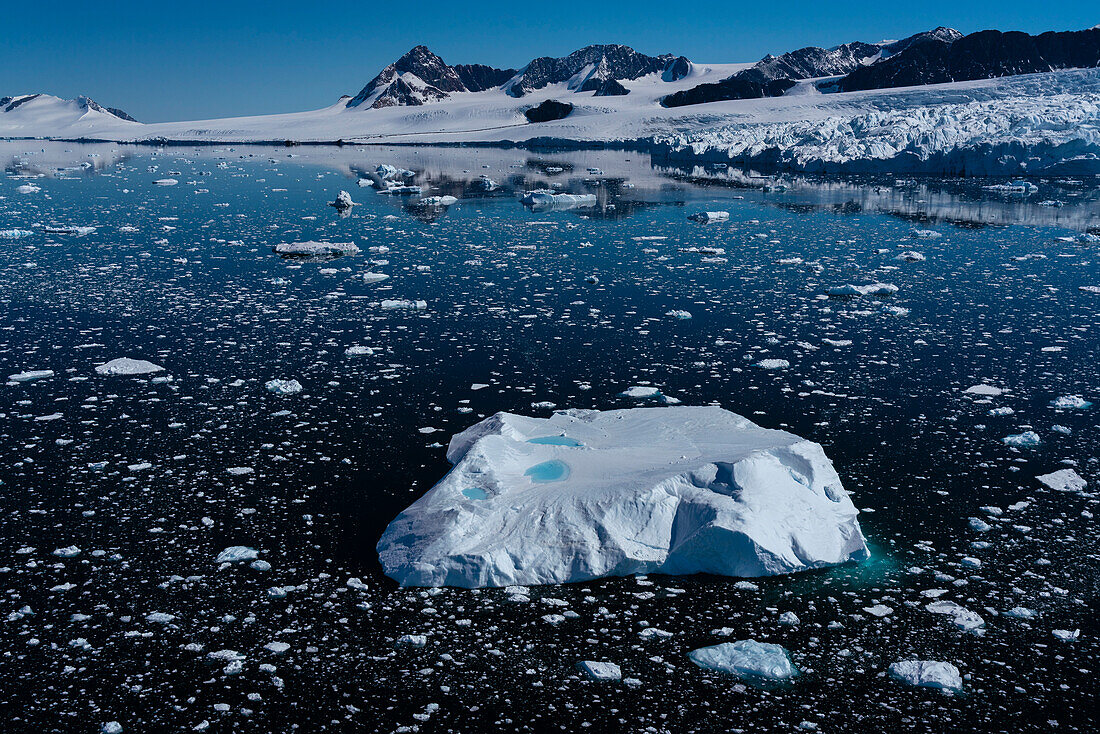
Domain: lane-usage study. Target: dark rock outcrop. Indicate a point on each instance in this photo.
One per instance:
(982, 55)
(731, 88)
(609, 88)
(420, 76)
(549, 110)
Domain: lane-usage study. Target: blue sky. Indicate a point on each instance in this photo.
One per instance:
(200, 59)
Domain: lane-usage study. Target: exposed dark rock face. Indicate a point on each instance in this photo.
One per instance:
(549, 110)
(601, 63)
(120, 114)
(420, 76)
(608, 88)
(676, 69)
(479, 77)
(773, 75)
(12, 102)
(982, 55)
(732, 88)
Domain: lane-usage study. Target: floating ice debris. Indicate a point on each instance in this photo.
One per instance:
(1027, 439)
(1063, 480)
(773, 364)
(126, 366)
(28, 189)
(600, 671)
(69, 229)
(707, 217)
(166, 182)
(879, 610)
(283, 387)
(547, 199)
(668, 490)
(236, 554)
(1020, 613)
(315, 249)
(414, 641)
(387, 172)
(1013, 187)
(343, 201)
(238, 471)
(746, 659)
(68, 552)
(15, 234)
(159, 617)
(403, 304)
(374, 277)
(358, 351)
(277, 648)
(679, 314)
(927, 674)
(790, 619)
(640, 392)
(872, 289)
(1070, 402)
(984, 390)
(30, 375)
(926, 234)
(438, 200)
(911, 256)
(111, 727)
(1067, 635)
(963, 618)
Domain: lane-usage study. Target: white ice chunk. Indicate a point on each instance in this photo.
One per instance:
(746, 659)
(927, 674)
(127, 366)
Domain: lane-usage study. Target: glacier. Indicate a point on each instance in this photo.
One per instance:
(587, 494)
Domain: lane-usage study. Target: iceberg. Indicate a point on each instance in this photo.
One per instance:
(1063, 480)
(872, 289)
(600, 671)
(283, 387)
(707, 217)
(746, 659)
(30, 375)
(543, 199)
(674, 490)
(343, 201)
(313, 249)
(926, 674)
(127, 366)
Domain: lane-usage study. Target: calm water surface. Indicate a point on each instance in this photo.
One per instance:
(526, 310)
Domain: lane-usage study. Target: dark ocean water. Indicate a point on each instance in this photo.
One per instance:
(185, 276)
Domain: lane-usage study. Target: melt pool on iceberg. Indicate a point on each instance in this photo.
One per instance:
(674, 490)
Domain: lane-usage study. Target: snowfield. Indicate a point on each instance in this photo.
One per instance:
(587, 494)
(1037, 123)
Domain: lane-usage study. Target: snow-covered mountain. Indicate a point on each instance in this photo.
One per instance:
(775, 75)
(612, 95)
(420, 76)
(982, 55)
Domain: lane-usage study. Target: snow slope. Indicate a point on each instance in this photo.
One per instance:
(1049, 122)
(587, 494)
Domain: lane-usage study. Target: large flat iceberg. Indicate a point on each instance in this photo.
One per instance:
(586, 494)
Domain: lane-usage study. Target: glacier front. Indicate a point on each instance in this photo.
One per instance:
(586, 494)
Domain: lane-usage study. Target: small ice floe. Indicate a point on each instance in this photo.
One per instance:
(641, 392)
(679, 314)
(30, 375)
(707, 217)
(283, 387)
(159, 617)
(126, 366)
(358, 351)
(871, 289)
(28, 188)
(1027, 439)
(1063, 480)
(1020, 613)
(374, 277)
(277, 648)
(237, 554)
(438, 200)
(911, 256)
(746, 659)
(413, 641)
(984, 390)
(546, 199)
(962, 617)
(111, 727)
(386, 172)
(166, 182)
(70, 551)
(1067, 635)
(1013, 187)
(239, 471)
(773, 364)
(14, 234)
(790, 619)
(316, 249)
(926, 234)
(68, 229)
(927, 674)
(879, 610)
(403, 304)
(600, 671)
(343, 201)
(1070, 402)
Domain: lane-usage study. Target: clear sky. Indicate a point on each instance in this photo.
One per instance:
(192, 60)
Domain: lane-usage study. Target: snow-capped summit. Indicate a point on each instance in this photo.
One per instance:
(29, 113)
(420, 76)
(593, 67)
